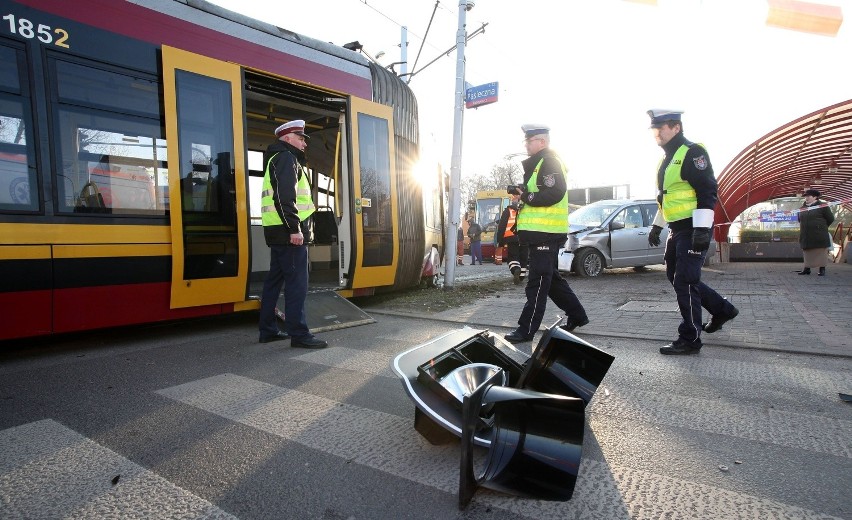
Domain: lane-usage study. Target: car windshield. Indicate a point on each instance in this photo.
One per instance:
(592, 215)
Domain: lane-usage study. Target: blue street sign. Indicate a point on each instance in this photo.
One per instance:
(480, 95)
(780, 216)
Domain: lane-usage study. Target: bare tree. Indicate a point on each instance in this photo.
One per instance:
(470, 185)
(500, 176)
(504, 174)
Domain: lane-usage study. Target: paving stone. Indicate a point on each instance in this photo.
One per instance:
(778, 311)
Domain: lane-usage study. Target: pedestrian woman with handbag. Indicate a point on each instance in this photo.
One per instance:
(813, 232)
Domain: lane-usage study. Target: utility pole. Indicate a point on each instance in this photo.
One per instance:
(455, 168)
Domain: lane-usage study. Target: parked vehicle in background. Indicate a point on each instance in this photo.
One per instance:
(611, 233)
(489, 206)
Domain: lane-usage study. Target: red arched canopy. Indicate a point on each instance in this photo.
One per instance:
(814, 151)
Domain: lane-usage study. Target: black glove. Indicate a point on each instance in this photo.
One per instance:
(654, 236)
(700, 239)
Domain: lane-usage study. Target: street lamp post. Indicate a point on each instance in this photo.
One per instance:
(455, 168)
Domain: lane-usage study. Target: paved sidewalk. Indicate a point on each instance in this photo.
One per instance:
(779, 310)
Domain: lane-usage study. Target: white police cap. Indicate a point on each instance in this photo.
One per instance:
(660, 115)
(297, 126)
(534, 129)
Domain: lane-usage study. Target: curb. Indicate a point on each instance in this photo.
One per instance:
(607, 334)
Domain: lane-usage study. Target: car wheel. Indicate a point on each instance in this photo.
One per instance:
(590, 263)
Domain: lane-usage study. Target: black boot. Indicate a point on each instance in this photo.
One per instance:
(806, 270)
(821, 271)
(516, 275)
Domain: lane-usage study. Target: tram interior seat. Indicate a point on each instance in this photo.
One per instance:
(325, 226)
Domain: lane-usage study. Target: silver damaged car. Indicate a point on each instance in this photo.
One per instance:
(611, 233)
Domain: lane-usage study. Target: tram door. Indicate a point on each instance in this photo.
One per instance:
(206, 157)
(375, 198)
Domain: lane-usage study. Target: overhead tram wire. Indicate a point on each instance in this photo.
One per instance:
(381, 13)
(423, 38)
(448, 51)
(388, 18)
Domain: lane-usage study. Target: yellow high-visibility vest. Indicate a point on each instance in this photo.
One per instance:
(548, 219)
(679, 199)
(304, 202)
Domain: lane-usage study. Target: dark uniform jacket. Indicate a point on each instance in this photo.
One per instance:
(552, 186)
(696, 170)
(283, 174)
(813, 226)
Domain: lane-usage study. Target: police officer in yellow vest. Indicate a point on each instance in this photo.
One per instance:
(687, 199)
(286, 209)
(543, 225)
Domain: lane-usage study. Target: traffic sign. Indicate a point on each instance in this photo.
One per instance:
(480, 95)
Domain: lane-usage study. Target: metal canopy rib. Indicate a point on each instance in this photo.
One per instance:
(814, 151)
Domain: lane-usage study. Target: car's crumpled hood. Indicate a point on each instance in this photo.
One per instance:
(573, 229)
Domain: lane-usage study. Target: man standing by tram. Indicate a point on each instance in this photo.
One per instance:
(286, 209)
(687, 199)
(543, 225)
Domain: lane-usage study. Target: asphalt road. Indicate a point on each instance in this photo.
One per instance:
(197, 420)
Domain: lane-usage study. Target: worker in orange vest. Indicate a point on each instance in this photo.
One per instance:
(507, 235)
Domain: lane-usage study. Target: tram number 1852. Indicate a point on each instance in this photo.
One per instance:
(44, 33)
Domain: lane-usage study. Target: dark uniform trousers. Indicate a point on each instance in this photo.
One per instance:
(289, 268)
(518, 255)
(683, 269)
(545, 281)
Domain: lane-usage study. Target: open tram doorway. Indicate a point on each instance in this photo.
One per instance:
(271, 102)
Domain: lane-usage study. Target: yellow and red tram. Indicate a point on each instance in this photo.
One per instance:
(131, 137)
(489, 208)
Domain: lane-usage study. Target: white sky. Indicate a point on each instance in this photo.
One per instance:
(590, 69)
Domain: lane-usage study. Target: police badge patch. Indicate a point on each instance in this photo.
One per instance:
(549, 181)
(700, 162)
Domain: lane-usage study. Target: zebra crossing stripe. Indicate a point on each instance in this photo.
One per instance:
(50, 471)
(369, 437)
(390, 444)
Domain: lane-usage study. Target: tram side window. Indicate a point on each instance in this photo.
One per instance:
(376, 216)
(18, 181)
(112, 151)
(207, 178)
(206, 150)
